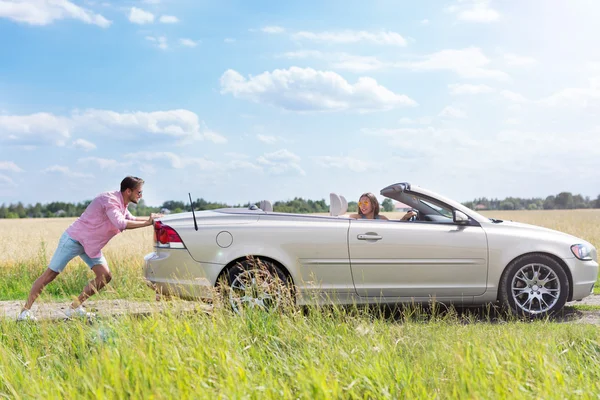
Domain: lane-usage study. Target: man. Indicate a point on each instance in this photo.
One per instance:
(106, 216)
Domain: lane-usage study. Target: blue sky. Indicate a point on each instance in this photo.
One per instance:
(238, 101)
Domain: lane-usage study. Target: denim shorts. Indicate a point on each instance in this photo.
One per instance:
(69, 248)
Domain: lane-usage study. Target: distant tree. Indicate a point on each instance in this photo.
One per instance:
(579, 202)
(532, 206)
(353, 206)
(564, 201)
(549, 203)
(597, 205)
(507, 205)
(388, 205)
(172, 205)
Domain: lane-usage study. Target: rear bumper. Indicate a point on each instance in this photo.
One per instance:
(175, 272)
(585, 275)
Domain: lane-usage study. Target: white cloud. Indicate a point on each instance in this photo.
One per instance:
(9, 166)
(452, 112)
(344, 163)
(234, 165)
(342, 61)
(416, 121)
(273, 29)
(229, 40)
(6, 181)
(474, 11)
(266, 139)
(160, 41)
(140, 17)
(176, 161)
(425, 22)
(180, 124)
(103, 163)
(305, 89)
(466, 88)
(514, 60)
(66, 171)
(34, 129)
(513, 96)
(467, 63)
(151, 1)
(188, 42)
(83, 145)
(44, 128)
(349, 36)
(168, 19)
(45, 12)
(280, 162)
(578, 97)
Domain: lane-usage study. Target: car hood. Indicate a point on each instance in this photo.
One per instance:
(534, 230)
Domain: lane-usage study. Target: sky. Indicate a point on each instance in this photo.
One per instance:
(238, 101)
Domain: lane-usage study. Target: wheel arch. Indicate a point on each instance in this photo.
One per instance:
(541, 253)
(262, 258)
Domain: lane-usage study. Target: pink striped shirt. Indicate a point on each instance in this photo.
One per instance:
(106, 216)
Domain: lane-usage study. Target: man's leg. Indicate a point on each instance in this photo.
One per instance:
(103, 276)
(39, 284)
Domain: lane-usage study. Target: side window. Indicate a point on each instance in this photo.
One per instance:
(437, 212)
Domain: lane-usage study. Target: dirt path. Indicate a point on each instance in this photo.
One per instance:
(55, 310)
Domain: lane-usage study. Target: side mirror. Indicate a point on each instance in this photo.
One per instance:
(460, 217)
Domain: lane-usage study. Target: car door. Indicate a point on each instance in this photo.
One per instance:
(417, 259)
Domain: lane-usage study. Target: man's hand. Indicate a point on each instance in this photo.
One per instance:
(153, 217)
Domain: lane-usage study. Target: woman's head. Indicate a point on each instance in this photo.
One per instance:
(368, 203)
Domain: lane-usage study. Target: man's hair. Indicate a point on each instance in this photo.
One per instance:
(131, 182)
(374, 203)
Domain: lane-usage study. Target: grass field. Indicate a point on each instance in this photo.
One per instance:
(316, 354)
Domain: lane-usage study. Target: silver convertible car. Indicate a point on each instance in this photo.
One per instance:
(448, 253)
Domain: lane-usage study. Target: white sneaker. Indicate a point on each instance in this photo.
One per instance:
(78, 312)
(26, 315)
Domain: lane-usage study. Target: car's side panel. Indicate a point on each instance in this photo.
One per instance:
(313, 250)
(417, 259)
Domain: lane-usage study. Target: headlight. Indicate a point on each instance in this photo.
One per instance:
(582, 252)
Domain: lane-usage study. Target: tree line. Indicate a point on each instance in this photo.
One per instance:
(562, 201)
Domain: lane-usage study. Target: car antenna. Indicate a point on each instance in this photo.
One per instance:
(193, 214)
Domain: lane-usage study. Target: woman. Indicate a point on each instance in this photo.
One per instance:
(368, 208)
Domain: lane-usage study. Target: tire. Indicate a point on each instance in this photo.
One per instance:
(534, 286)
(255, 283)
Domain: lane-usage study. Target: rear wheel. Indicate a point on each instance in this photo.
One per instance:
(534, 286)
(259, 284)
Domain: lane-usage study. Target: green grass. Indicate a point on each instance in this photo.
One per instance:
(586, 307)
(325, 353)
(16, 280)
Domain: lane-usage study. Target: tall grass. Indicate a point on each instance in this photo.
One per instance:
(324, 353)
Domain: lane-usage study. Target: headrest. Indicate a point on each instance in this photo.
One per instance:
(335, 204)
(266, 206)
(344, 205)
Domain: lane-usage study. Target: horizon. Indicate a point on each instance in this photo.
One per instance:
(234, 101)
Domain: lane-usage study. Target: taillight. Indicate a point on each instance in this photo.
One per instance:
(167, 237)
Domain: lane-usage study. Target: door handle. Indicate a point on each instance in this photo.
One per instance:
(369, 237)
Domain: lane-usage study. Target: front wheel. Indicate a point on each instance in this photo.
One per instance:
(534, 286)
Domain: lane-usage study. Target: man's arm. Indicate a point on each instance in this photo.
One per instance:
(140, 222)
